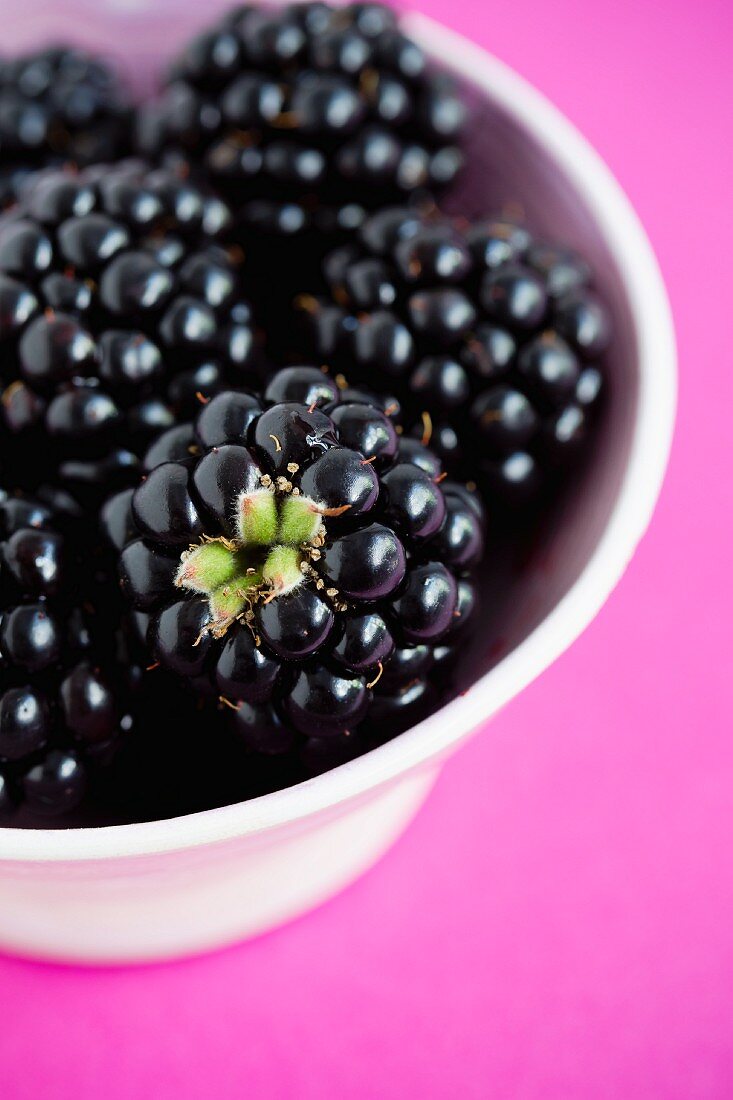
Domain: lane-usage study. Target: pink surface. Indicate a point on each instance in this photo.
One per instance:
(558, 922)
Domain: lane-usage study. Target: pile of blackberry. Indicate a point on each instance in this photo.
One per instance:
(474, 326)
(118, 312)
(300, 567)
(223, 571)
(58, 105)
(65, 680)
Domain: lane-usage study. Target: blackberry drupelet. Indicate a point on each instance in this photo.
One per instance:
(306, 115)
(117, 308)
(58, 105)
(496, 339)
(301, 569)
(63, 692)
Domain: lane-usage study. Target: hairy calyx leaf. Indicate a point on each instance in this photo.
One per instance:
(207, 567)
(300, 520)
(281, 571)
(225, 605)
(257, 518)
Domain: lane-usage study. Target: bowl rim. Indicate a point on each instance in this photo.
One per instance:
(632, 511)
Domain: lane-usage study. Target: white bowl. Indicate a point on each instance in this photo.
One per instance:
(170, 888)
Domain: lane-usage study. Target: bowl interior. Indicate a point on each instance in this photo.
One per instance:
(509, 171)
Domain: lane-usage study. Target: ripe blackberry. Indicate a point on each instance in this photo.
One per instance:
(495, 338)
(63, 708)
(117, 311)
(292, 570)
(306, 115)
(327, 99)
(58, 105)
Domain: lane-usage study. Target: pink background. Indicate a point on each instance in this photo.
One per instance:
(558, 922)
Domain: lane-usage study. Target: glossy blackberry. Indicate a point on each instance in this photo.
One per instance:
(307, 115)
(493, 342)
(119, 313)
(310, 100)
(58, 105)
(285, 567)
(63, 699)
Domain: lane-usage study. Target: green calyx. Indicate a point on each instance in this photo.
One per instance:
(276, 536)
(257, 518)
(282, 570)
(300, 520)
(207, 567)
(231, 600)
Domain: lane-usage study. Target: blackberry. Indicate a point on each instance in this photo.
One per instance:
(496, 339)
(63, 700)
(58, 105)
(306, 116)
(309, 102)
(118, 313)
(293, 571)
